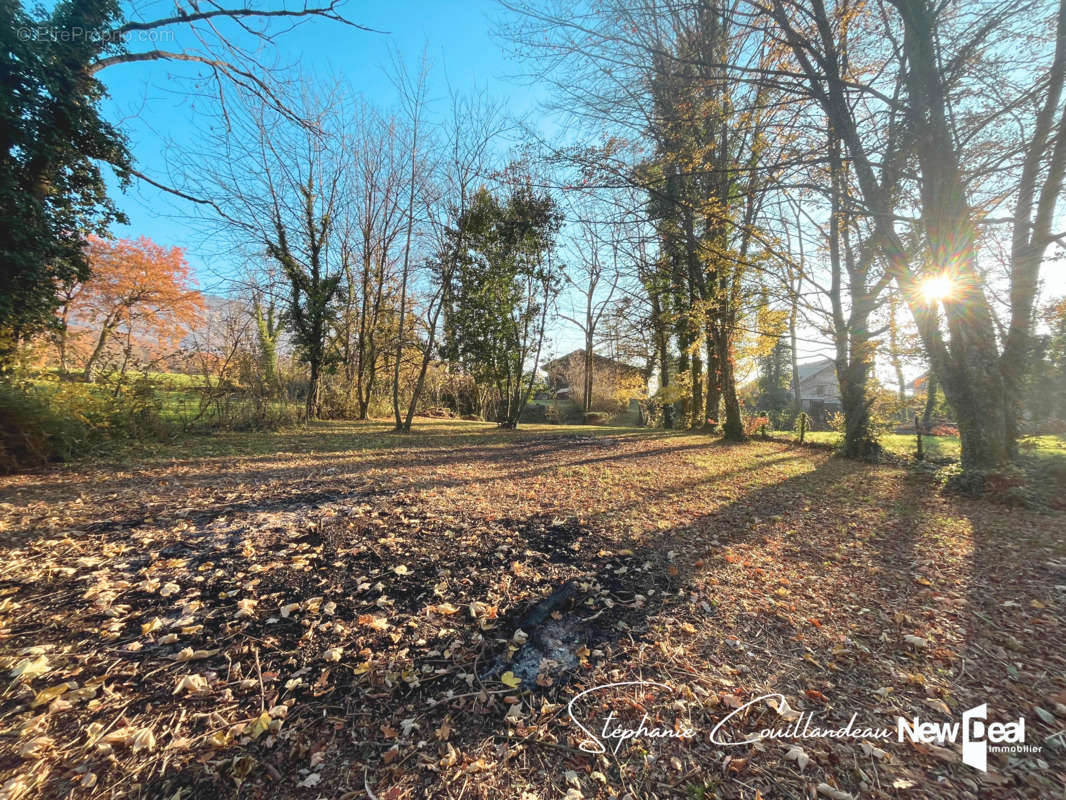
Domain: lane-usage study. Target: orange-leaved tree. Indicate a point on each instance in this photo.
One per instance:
(139, 290)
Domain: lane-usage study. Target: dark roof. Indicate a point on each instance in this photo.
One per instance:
(579, 355)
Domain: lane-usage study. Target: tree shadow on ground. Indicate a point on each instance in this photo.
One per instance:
(805, 585)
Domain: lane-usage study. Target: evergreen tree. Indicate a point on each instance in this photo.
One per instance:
(52, 141)
(498, 299)
(775, 379)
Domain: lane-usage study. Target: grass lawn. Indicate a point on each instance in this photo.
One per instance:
(938, 447)
(340, 612)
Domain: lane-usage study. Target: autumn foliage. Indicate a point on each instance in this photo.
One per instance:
(139, 303)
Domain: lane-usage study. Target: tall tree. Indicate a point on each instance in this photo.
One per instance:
(665, 80)
(139, 289)
(52, 142)
(369, 226)
(937, 54)
(413, 94)
(284, 185)
(593, 280)
(503, 287)
(302, 253)
(461, 161)
(981, 380)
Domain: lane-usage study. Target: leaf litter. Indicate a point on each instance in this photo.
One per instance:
(413, 620)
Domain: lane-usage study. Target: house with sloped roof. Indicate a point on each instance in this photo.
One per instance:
(819, 389)
(561, 372)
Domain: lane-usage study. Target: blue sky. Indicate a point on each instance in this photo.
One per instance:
(152, 110)
(455, 34)
(456, 37)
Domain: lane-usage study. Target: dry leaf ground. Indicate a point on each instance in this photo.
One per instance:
(335, 612)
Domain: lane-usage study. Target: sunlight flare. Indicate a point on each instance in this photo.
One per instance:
(937, 288)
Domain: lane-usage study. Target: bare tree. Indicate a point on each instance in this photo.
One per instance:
(938, 55)
(413, 96)
(227, 48)
(283, 185)
(462, 158)
(369, 228)
(594, 278)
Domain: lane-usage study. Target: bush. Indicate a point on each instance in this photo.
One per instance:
(835, 420)
(34, 430)
(439, 412)
(553, 414)
(756, 424)
(58, 421)
(943, 430)
(52, 420)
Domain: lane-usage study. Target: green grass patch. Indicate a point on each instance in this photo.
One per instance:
(938, 447)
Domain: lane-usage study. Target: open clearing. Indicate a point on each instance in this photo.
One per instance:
(333, 610)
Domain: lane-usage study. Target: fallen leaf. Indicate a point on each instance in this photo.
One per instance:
(48, 695)
(797, 754)
(191, 683)
(144, 739)
(938, 704)
(833, 793)
(35, 747)
(872, 750)
(29, 668)
(510, 679)
(260, 726)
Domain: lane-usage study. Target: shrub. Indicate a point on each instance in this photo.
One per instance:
(943, 430)
(756, 424)
(553, 414)
(836, 421)
(439, 412)
(46, 419)
(33, 432)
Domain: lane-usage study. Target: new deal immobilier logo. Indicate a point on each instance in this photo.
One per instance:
(979, 738)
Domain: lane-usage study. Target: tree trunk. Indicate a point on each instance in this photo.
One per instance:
(663, 342)
(969, 367)
(90, 365)
(63, 337)
(797, 401)
(697, 415)
(859, 441)
(982, 410)
(894, 355)
(930, 401)
(311, 408)
(714, 380)
(733, 427)
(589, 366)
